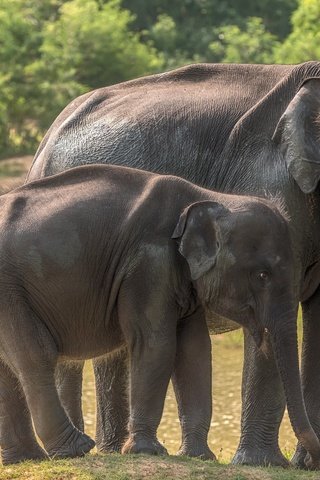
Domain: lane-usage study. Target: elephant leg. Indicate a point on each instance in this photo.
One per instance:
(111, 376)
(32, 355)
(191, 379)
(17, 438)
(148, 322)
(263, 404)
(150, 371)
(310, 368)
(69, 385)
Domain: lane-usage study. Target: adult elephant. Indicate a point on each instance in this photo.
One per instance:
(249, 129)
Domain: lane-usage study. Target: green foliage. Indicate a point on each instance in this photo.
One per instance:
(87, 47)
(254, 44)
(164, 32)
(194, 25)
(275, 15)
(94, 44)
(54, 50)
(304, 41)
(19, 41)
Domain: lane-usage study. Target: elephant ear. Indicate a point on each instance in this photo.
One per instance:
(198, 235)
(298, 135)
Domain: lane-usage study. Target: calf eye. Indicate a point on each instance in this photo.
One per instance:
(263, 276)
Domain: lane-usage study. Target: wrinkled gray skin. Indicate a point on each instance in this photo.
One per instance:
(90, 264)
(250, 129)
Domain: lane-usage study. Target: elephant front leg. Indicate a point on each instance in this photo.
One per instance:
(310, 369)
(17, 438)
(192, 384)
(150, 372)
(263, 404)
(111, 377)
(148, 322)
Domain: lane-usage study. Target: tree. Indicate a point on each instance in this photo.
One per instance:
(254, 44)
(54, 50)
(195, 24)
(89, 46)
(303, 43)
(275, 14)
(95, 43)
(20, 37)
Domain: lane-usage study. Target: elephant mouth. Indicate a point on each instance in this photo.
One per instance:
(245, 317)
(258, 337)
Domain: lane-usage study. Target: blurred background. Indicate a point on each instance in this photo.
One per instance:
(53, 50)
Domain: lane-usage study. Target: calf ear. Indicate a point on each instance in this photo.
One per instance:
(197, 232)
(298, 136)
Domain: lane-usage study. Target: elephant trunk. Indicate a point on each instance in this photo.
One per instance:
(284, 340)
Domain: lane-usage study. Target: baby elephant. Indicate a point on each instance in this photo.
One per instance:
(102, 256)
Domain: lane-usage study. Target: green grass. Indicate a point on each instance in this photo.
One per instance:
(117, 467)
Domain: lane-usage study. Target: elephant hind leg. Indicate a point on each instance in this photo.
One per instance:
(68, 377)
(17, 438)
(33, 356)
(111, 376)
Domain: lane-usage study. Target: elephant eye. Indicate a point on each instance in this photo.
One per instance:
(263, 276)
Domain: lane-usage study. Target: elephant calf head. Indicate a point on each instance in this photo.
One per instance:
(239, 258)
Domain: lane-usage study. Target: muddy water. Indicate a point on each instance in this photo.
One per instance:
(225, 425)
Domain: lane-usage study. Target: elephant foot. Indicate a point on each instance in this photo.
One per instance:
(260, 457)
(114, 447)
(111, 445)
(299, 457)
(20, 454)
(311, 463)
(302, 459)
(139, 444)
(198, 450)
(76, 445)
